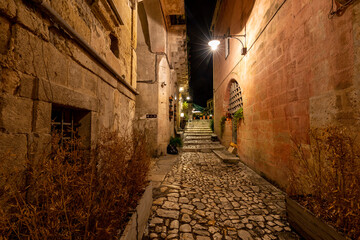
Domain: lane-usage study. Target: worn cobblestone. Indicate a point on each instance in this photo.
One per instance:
(217, 201)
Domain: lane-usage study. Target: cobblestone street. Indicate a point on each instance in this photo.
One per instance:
(203, 198)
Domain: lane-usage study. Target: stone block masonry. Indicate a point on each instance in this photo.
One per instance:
(299, 73)
(45, 66)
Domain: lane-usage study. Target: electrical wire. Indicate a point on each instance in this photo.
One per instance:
(340, 10)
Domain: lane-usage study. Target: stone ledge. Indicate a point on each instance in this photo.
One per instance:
(226, 157)
(136, 226)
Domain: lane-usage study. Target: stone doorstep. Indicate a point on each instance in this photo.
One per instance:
(226, 157)
(135, 228)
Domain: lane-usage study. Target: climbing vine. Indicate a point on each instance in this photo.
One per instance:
(222, 125)
(238, 115)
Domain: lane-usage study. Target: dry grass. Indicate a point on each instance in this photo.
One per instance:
(72, 195)
(326, 178)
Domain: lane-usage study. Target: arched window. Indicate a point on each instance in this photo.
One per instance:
(235, 100)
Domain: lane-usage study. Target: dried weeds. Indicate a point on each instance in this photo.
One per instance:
(73, 194)
(325, 178)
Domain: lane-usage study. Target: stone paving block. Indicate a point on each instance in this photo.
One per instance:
(215, 201)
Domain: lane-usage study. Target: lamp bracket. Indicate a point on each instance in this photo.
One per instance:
(237, 37)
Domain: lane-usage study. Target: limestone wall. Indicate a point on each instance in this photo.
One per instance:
(160, 59)
(301, 71)
(42, 65)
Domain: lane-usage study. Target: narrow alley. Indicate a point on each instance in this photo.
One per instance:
(180, 119)
(203, 198)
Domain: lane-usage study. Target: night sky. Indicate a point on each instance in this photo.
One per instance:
(199, 15)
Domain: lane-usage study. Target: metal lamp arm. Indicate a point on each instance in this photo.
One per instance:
(238, 40)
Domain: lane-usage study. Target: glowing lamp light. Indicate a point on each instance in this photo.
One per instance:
(181, 89)
(210, 115)
(182, 115)
(214, 44)
(175, 98)
(187, 98)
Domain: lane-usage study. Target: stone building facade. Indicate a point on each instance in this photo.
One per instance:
(301, 71)
(65, 64)
(161, 69)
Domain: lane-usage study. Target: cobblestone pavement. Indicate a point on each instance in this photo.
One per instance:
(202, 198)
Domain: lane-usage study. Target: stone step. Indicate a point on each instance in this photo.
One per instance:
(202, 148)
(209, 132)
(197, 138)
(197, 130)
(197, 134)
(199, 142)
(190, 129)
(226, 157)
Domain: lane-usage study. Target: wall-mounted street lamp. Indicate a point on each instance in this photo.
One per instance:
(188, 98)
(181, 89)
(215, 42)
(182, 114)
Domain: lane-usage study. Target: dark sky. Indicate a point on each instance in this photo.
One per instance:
(199, 15)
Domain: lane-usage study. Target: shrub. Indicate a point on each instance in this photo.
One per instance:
(326, 178)
(176, 141)
(70, 195)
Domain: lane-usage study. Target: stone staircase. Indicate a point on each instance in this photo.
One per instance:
(197, 137)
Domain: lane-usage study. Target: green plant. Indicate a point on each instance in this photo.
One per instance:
(325, 178)
(222, 125)
(212, 124)
(238, 115)
(176, 141)
(186, 117)
(72, 195)
(185, 105)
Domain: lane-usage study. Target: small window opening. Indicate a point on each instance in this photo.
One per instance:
(70, 123)
(114, 45)
(177, 19)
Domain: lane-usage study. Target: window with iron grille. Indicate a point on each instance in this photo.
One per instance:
(235, 101)
(177, 19)
(71, 123)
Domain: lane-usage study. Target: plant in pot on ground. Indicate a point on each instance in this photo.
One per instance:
(325, 178)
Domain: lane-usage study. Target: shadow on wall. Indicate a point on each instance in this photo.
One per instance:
(241, 12)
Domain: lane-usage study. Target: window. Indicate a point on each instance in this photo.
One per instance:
(177, 19)
(227, 44)
(235, 101)
(114, 45)
(71, 123)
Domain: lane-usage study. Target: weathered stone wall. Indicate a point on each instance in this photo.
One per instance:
(301, 71)
(42, 65)
(158, 71)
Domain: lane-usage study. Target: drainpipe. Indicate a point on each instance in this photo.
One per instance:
(133, 8)
(54, 16)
